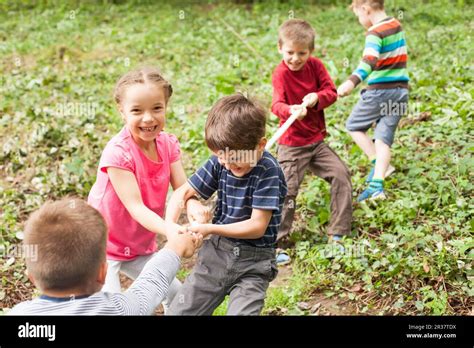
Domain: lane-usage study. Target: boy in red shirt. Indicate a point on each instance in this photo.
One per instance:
(298, 78)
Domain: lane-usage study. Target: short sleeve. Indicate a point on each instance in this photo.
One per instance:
(118, 156)
(174, 148)
(206, 180)
(269, 189)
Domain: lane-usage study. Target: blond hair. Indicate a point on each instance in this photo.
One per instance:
(297, 31)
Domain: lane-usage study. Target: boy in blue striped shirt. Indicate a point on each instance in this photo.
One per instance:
(239, 259)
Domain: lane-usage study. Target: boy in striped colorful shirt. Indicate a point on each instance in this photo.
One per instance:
(385, 99)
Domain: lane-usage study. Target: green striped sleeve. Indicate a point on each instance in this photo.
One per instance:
(393, 38)
(388, 73)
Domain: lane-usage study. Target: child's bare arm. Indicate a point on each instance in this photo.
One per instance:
(178, 200)
(177, 174)
(311, 99)
(345, 89)
(252, 228)
(194, 209)
(126, 186)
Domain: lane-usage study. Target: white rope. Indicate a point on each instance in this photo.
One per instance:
(284, 127)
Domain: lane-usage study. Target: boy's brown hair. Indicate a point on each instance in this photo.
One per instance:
(235, 123)
(374, 4)
(297, 31)
(70, 237)
(142, 75)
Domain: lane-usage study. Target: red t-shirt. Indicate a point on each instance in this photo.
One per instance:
(289, 88)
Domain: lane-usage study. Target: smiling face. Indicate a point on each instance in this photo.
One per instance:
(295, 55)
(143, 109)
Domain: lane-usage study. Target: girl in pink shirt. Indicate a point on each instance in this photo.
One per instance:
(135, 171)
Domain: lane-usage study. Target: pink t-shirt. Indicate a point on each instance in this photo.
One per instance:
(127, 238)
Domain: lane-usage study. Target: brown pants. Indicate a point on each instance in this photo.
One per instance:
(322, 161)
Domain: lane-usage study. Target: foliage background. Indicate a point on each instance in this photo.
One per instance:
(417, 247)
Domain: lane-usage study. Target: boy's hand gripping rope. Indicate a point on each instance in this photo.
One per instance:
(285, 126)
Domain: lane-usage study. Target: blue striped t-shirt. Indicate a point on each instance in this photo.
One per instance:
(264, 187)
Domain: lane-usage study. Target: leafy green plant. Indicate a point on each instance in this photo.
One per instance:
(415, 249)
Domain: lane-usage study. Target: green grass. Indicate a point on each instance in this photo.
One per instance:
(222, 309)
(418, 243)
(182, 274)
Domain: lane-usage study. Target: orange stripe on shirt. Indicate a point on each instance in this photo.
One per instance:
(386, 26)
(389, 61)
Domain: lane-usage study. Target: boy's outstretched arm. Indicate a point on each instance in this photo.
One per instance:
(373, 45)
(152, 285)
(252, 228)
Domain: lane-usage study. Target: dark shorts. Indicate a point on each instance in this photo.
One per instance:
(384, 107)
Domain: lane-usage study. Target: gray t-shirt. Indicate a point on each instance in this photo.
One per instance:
(141, 298)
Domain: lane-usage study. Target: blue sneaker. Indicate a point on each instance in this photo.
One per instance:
(374, 191)
(371, 193)
(282, 258)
